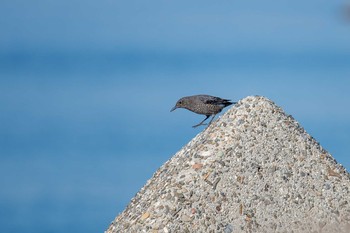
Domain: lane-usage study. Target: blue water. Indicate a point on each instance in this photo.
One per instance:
(82, 131)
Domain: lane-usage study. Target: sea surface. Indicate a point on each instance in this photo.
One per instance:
(81, 131)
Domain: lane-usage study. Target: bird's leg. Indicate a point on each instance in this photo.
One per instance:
(211, 119)
(201, 123)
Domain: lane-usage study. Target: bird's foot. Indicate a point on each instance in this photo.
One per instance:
(195, 126)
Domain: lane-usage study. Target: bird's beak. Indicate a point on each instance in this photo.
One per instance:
(173, 109)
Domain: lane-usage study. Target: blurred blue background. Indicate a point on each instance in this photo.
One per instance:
(86, 88)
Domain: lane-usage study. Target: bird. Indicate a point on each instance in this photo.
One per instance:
(203, 104)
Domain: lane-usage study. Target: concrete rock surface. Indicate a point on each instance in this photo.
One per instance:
(253, 170)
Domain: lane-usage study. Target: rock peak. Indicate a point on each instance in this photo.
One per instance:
(253, 170)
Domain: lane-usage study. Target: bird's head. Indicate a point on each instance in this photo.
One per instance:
(181, 103)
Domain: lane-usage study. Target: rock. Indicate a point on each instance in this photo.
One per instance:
(255, 169)
(197, 166)
(145, 216)
(228, 228)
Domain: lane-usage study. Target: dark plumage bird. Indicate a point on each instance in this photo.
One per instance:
(203, 104)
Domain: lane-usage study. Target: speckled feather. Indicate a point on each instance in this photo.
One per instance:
(203, 104)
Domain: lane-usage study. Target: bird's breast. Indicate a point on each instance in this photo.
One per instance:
(206, 109)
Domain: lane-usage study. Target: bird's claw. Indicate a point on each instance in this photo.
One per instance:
(195, 126)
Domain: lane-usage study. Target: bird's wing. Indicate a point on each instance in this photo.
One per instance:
(216, 100)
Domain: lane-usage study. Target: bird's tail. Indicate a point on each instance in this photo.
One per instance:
(228, 102)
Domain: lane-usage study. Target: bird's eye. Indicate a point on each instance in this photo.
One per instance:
(180, 102)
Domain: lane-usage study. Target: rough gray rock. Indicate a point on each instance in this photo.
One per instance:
(253, 170)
